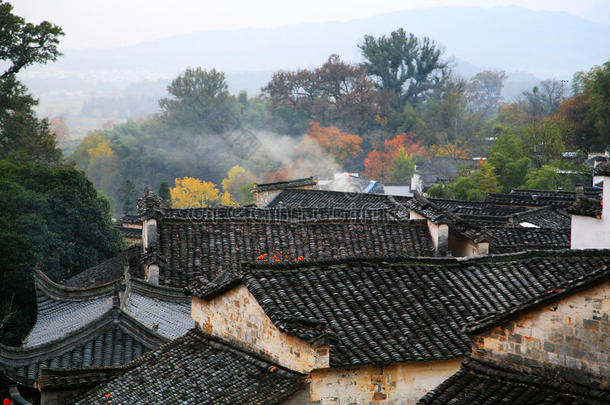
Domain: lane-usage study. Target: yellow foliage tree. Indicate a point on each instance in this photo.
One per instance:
(91, 147)
(449, 150)
(237, 178)
(191, 192)
(226, 199)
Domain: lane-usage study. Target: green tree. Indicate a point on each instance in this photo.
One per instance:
(407, 67)
(51, 217)
(164, 193)
(200, 100)
(403, 166)
(128, 196)
(509, 161)
(544, 178)
(596, 86)
(545, 139)
(22, 44)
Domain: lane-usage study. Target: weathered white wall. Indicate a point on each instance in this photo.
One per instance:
(149, 230)
(403, 383)
(589, 232)
(236, 316)
(573, 333)
(439, 233)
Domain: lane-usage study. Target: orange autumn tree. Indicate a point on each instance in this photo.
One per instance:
(379, 164)
(340, 145)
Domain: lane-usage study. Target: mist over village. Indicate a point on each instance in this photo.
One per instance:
(327, 203)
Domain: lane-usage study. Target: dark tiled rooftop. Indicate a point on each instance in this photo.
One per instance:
(486, 383)
(278, 185)
(537, 198)
(335, 199)
(516, 239)
(543, 217)
(585, 206)
(381, 311)
(209, 250)
(108, 270)
(198, 369)
(96, 327)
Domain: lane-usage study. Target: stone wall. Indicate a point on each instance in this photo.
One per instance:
(237, 317)
(572, 333)
(403, 383)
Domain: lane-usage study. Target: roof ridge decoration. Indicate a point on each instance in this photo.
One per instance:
(150, 206)
(585, 206)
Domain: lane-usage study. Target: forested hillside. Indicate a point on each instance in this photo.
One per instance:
(400, 107)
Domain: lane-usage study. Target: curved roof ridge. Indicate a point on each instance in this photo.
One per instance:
(60, 292)
(498, 257)
(11, 354)
(165, 293)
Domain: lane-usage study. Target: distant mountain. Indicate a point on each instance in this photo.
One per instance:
(512, 38)
(543, 43)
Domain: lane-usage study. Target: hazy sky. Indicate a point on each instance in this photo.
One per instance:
(111, 23)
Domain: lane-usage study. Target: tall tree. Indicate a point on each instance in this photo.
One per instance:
(164, 193)
(128, 196)
(406, 66)
(596, 86)
(51, 217)
(335, 93)
(484, 92)
(23, 44)
(200, 100)
(544, 100)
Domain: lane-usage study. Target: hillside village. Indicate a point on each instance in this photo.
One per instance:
(375, 222)
(326, 297)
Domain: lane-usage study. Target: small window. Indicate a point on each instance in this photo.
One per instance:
(528, 225)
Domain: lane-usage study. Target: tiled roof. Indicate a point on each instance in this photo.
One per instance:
(111, 340)
(477, 208)
(537, 198)
(210, 248)
(52, 379)
(278, 185)
(487, 383)
(168, 314)
(431, 211)
(93, 327)
(108, 270)
(380, 311)
(516, 239)
(302, 198)
(199, 369)
(585, 206)
(131, 233)
(63, 310)
(543, 217)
